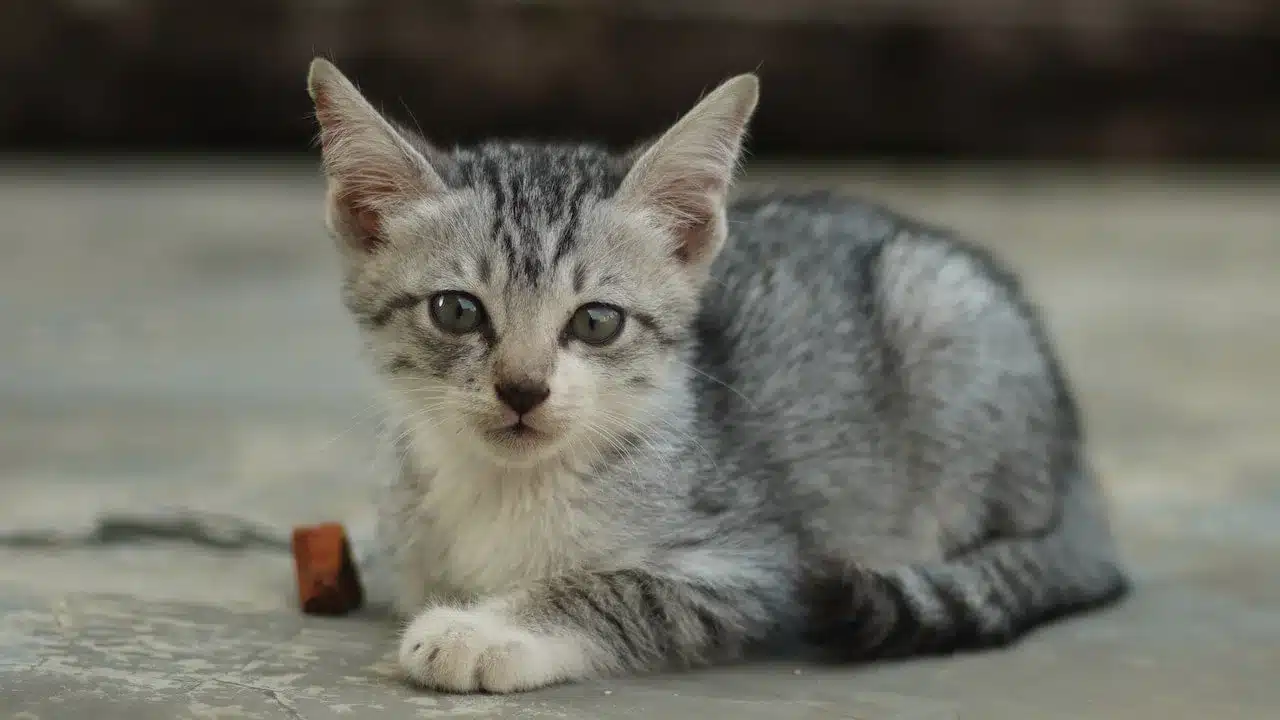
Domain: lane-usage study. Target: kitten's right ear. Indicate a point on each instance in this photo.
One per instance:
(372, 169)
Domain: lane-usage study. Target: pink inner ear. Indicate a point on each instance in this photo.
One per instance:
(363, 222)
(326, 118)
(694, 238)
(367, 222)
(694, 214)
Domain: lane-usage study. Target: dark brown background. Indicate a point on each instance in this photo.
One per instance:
(927, 79)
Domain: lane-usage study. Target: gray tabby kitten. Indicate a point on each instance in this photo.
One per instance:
(642, 427)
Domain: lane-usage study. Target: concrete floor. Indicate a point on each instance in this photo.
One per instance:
(172, 338)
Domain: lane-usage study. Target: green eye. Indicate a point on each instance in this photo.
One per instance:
(596, 323)
(456, 312)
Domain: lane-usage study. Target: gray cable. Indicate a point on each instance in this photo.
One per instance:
(223, 532)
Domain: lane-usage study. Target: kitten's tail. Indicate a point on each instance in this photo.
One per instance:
(986, 597)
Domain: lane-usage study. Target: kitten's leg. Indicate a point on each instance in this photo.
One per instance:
(579, 626)
(986, 597)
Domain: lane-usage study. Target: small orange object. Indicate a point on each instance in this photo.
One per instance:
(328, 583)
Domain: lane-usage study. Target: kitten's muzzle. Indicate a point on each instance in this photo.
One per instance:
(522, 425)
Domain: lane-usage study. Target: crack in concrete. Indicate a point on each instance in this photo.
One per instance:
(287, 705)
(274, 695)
(28, 668)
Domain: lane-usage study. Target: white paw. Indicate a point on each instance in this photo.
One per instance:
(479, 649)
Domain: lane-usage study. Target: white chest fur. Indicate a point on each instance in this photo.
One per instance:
(467, 528)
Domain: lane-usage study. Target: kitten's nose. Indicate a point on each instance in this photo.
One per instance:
(522, 397)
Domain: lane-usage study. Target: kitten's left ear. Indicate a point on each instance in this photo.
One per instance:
(684, 176)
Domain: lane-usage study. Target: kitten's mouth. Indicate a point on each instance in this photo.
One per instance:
(517, 432)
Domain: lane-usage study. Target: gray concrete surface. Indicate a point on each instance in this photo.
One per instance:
(171, 337)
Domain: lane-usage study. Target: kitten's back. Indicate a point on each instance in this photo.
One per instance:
(891, 357)
(895, 391)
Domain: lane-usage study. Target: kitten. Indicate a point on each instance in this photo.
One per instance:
(642, 427)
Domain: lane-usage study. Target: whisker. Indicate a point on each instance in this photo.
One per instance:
(356, 420)
(719, 382)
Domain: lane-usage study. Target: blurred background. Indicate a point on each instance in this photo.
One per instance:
(170, 329)
(927, 80)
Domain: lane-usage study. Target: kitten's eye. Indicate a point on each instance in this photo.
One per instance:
(456, 312)
(596, 323)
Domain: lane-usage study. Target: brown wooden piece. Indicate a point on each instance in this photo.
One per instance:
(328, 583)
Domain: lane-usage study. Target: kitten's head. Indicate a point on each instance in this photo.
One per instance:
(527, 300)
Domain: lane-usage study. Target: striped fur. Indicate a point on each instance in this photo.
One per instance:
(987, 596)
(818, 419)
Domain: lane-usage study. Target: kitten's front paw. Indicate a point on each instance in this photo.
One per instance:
(479, 649)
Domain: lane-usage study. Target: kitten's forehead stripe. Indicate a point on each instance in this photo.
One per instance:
(569, 234)
(491, 179)
(538, 194)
